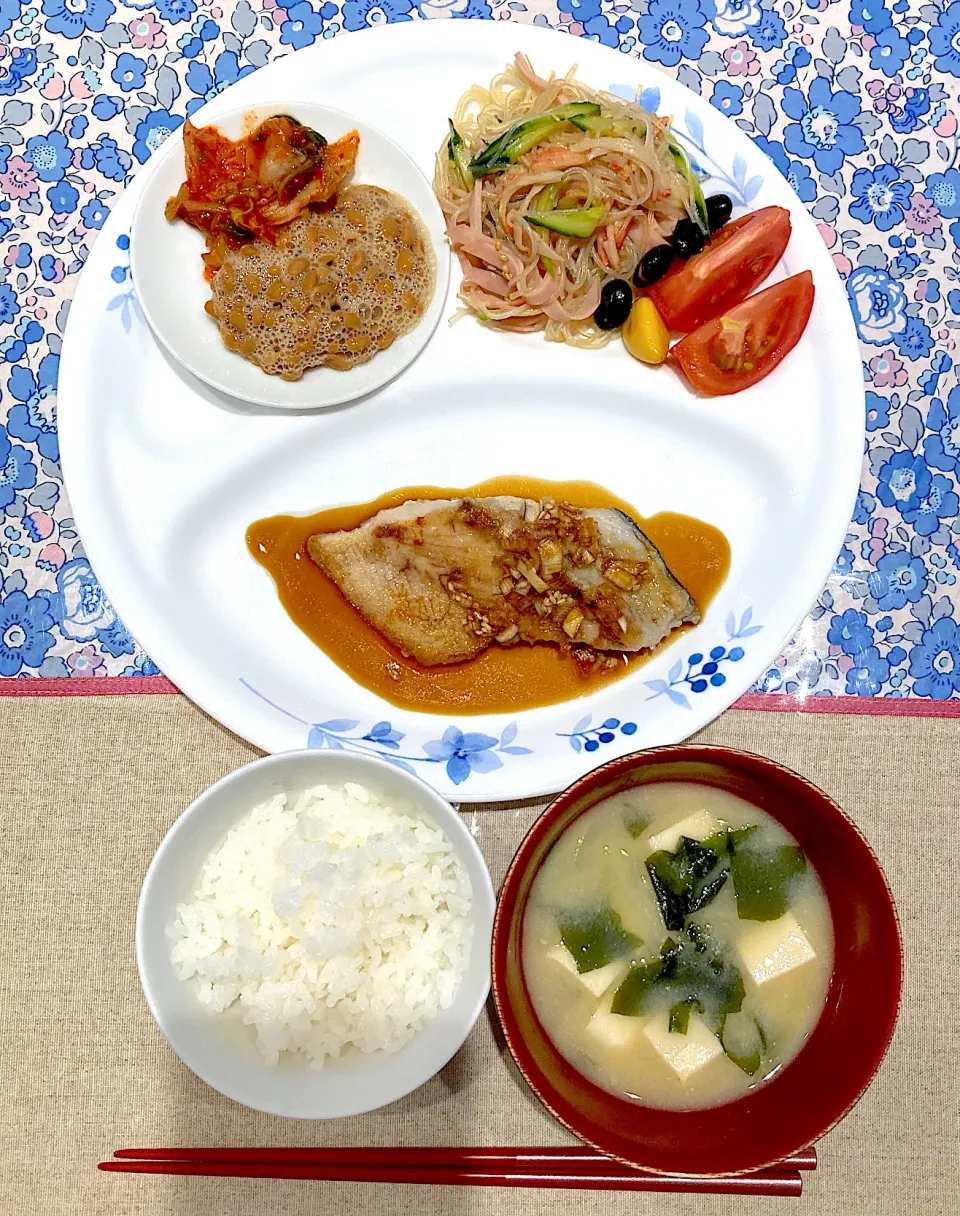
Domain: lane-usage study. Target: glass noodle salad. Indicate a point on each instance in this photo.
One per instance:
(551, 190)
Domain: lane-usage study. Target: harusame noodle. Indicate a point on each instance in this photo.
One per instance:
(526, 278)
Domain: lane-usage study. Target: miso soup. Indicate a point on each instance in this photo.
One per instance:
(677, 946)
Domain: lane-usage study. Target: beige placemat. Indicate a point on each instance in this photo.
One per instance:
(89, 786)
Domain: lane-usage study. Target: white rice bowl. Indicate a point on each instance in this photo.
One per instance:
(335, 921)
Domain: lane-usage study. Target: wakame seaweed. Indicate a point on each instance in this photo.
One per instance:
(685, 881)
(691, 972)
(636, 825)
(762, 879)
(595, 937)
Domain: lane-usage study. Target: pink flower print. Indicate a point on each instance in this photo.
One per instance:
(52, 85)
(86, 662)
(38, 525)
(51, 557)
(84, 84)
(887, 370)
(842, 263)
(146, 32)
(875, 87)
(741, 60)
(947, 125)
(20, 179)
(923, 216)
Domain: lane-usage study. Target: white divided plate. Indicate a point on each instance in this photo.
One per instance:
(165, 475)
(168, 273)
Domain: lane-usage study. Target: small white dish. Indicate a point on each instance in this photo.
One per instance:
(167, 271)
(223, 1053)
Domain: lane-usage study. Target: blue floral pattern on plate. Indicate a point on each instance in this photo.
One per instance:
(854, 101)
(462, 753)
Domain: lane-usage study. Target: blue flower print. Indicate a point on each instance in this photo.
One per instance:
(935, 661)
(851, 631)
(945, 40)
(152, 131)
(916, 106)
(79, 605)
(142, 667)
(776, 152)
(903, 480)
(116, 639)
(868, 674)
(25, 637)
(50, 155)
(890, 52)
(769, 32)
(938, 503)
(800, 177)
(34, 418)
(9, 307)
(464, 753)
(9, 12)
(785, 70)
(95, 213)
(63, 198)
(599, 29)
(130, 72)
(17, 470)
(944, 189)
(871, 14)
(73, 18)
(359, 13)
(105, 107)
(304, 24)
(823, 130)
(175, 11)
(898, 580)
(580, 10)
(111, 160)
(878, 303)
(942, 449)
(207, 84)
(878, 411)
(915, 340)
(734, 17)
(728, 98)
(881, 197)
(672, 30)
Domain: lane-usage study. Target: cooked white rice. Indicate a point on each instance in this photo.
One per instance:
(332, 918)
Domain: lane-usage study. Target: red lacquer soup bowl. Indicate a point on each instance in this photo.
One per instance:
(834, 1066)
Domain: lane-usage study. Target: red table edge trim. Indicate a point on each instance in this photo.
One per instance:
(765, 702)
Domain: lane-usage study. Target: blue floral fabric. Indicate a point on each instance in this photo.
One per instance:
(855, 101)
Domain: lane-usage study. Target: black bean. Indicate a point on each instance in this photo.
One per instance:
(616, 300)
(719, 209)
(653, 265)
(688, 239)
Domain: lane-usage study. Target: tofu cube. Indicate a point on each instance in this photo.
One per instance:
(697, 827)
(613, 1030)
(596, 981)
(685, 1053)
(774, 947)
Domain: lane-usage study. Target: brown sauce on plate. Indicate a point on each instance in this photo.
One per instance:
(502, 679)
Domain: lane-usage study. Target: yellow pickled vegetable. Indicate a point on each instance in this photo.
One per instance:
(644, 335)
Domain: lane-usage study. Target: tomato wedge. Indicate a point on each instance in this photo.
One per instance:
(735, 261)
(739, 348)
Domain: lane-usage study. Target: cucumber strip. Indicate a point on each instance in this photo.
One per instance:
(600, 125)
(697, 208)
(459, 156)
(582, 223)
(507, 148)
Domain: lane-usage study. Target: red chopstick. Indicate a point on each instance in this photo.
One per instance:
(550, 1168)
(485, 1156)
(765, 1183)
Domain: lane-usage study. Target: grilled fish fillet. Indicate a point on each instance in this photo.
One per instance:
(445, 579)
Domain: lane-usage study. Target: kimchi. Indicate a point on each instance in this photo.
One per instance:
(243, 190)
